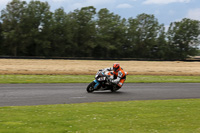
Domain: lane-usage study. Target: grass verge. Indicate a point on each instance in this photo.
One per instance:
(163, 116)
(88, 78)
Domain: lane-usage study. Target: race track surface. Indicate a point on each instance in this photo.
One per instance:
(42, 94)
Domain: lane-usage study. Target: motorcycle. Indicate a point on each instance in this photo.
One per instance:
(102, 82)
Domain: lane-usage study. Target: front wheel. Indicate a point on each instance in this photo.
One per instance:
(90, 87)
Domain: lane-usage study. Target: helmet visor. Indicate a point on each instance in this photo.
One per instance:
(115, 68)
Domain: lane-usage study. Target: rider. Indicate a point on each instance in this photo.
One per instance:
(119, 75)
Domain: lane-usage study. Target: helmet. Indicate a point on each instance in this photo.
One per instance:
(116, 67)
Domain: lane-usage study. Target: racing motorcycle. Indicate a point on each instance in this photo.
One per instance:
(102, 82)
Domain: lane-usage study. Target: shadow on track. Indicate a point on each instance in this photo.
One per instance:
(108, 93)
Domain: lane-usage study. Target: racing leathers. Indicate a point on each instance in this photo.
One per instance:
(119, 76)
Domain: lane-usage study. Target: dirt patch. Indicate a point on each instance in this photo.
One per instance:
(32, 66)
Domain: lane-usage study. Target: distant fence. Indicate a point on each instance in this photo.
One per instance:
(196, 58)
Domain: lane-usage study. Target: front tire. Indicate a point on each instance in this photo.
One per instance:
(90, 87)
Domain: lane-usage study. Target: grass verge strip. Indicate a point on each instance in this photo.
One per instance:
(88, 78)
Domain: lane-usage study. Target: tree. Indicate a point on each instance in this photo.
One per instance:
(33, 30)
(161, 44)
(110, 34)
(84, 30)
(61, 34)
(183, 36)
(36, 26)
(132, 37)
(142, 34)
(12, 17)
(1, 40)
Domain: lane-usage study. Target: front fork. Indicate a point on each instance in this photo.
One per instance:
(96, 84)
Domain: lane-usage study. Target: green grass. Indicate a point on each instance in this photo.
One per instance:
(88, 78)
(46, 78)
(156, 116)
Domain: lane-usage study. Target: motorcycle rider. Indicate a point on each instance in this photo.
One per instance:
(119, 75)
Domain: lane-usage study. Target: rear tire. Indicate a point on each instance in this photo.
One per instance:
(115, 88)
(112, 90)
(90, 87)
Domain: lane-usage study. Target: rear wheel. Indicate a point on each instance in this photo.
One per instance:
(90, 87)
(115, 88)
(112, 90)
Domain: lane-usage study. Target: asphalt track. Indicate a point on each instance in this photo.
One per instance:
(42, 94)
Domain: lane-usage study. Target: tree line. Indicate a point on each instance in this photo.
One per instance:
(31, 29)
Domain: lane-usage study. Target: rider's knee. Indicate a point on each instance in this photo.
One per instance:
(120, 84)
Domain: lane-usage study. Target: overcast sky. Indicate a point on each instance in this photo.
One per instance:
(166, 11)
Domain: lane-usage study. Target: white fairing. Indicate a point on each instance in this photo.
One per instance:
(111, 76)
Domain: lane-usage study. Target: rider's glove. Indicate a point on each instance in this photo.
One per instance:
(111, 81)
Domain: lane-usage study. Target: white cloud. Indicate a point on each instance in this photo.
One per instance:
(165, 1)
(4, 3)
(124, 6)
(99, 2)
(194, 14)
(58, 0)
(71, 4)
(77, 5)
